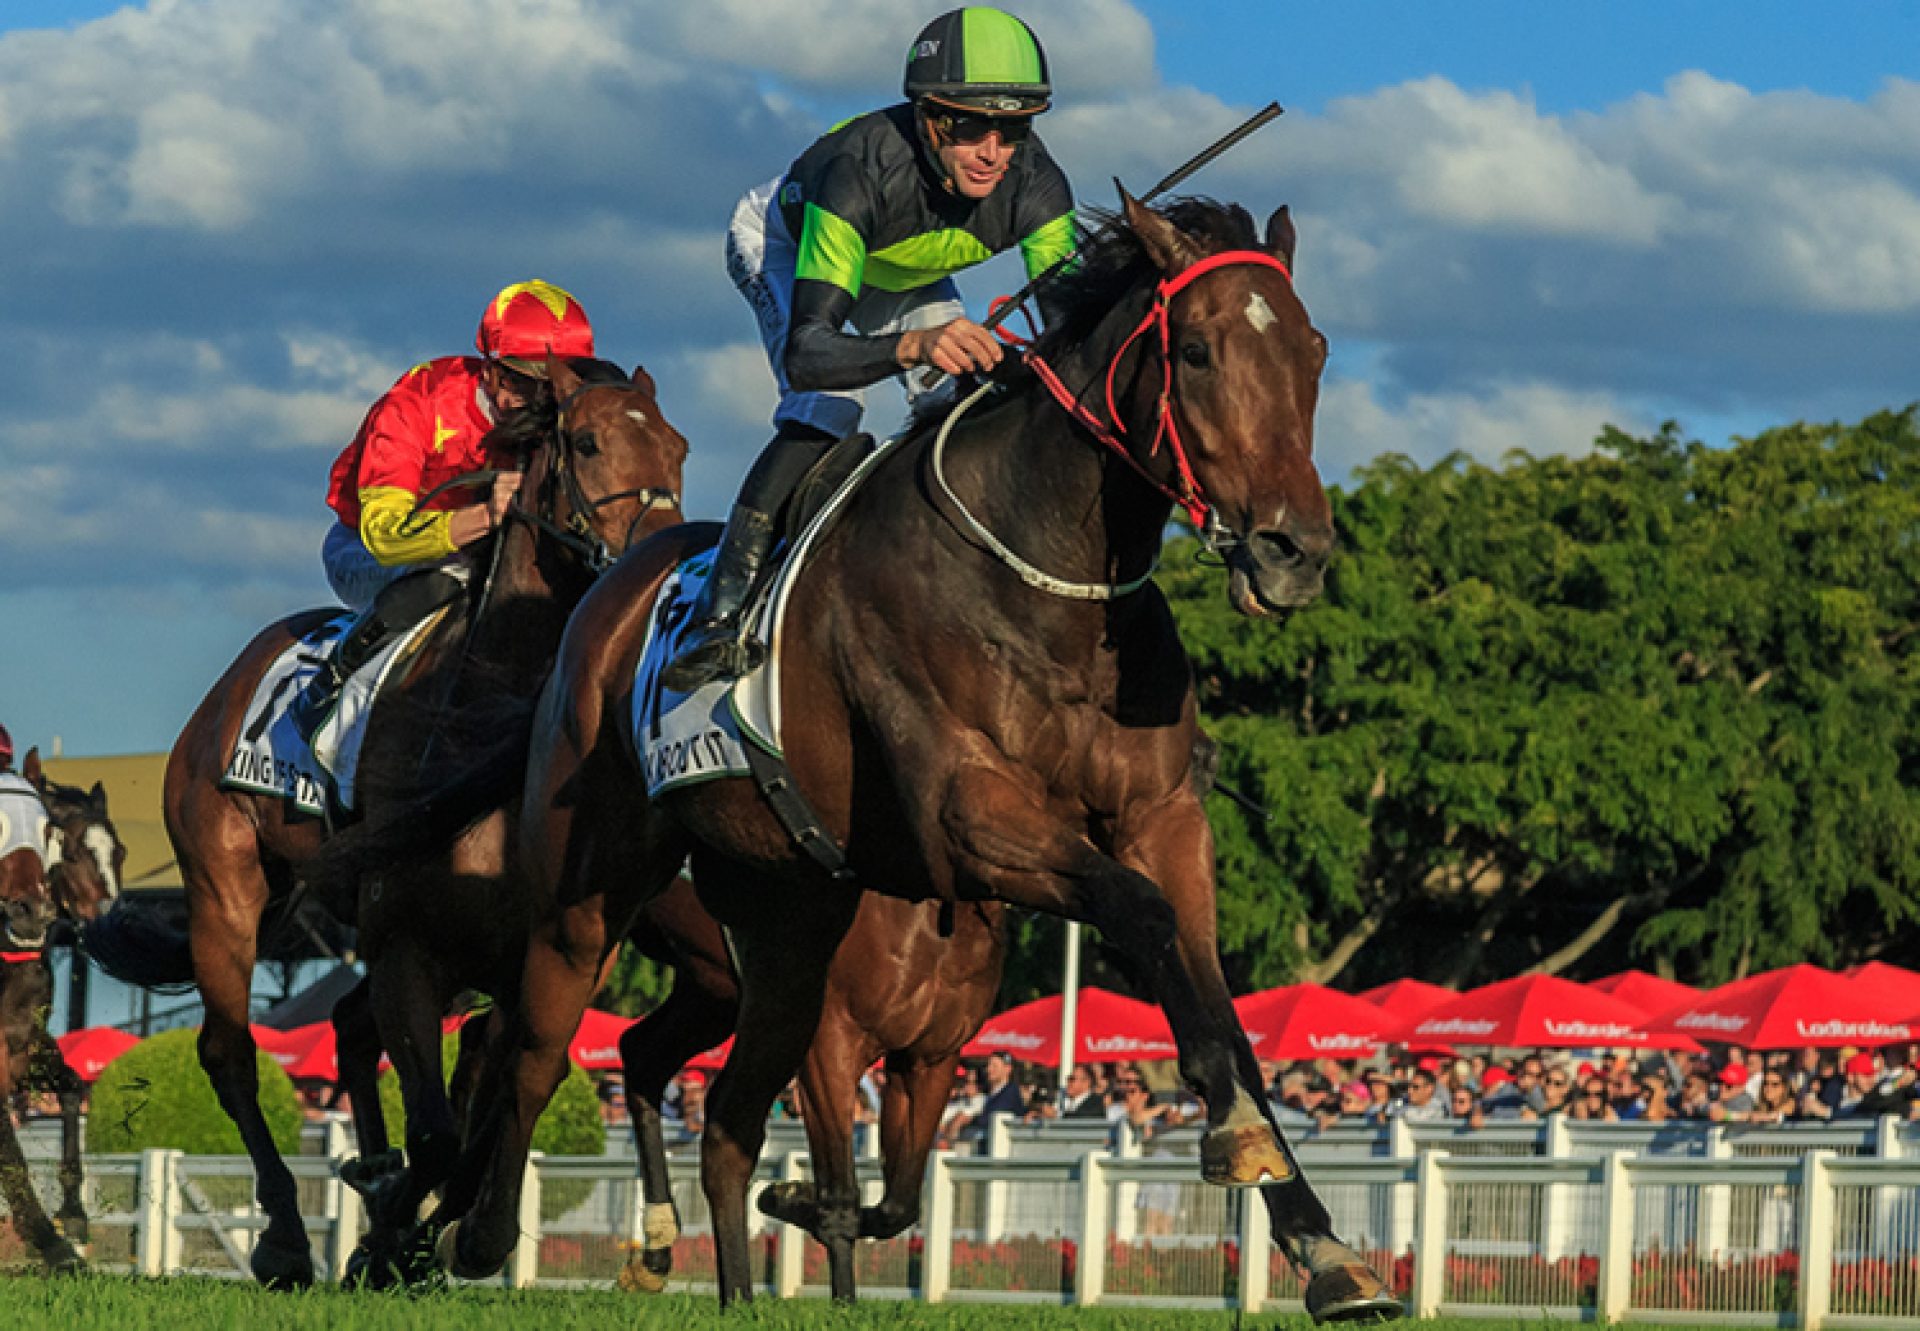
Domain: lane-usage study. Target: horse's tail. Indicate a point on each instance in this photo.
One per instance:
(139, 944)
(410, 828)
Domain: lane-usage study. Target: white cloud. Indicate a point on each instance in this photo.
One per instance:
(1357, 424)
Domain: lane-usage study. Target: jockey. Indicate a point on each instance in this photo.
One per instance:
(866, 228)
(428, 429)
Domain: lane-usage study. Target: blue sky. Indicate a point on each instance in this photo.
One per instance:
(227, 225)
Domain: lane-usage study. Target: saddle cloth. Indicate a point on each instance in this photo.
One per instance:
(684, 738)
(271, 758)
(23, 818)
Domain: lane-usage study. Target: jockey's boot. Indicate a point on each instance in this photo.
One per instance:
(396, 608)
(717, 645)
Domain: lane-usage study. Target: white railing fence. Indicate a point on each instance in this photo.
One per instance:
(1726, 1233)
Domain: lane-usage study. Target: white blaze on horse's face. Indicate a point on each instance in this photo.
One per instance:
(100, 844)
(1260, 314)
(637, 417)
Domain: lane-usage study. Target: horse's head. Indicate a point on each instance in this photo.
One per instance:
(26, 902)
(86, 860)
(1240, 373)
(615, 473)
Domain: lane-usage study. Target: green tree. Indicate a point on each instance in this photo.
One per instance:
(155, 1096)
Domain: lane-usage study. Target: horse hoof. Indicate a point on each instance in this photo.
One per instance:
(1243, 1157)
(637, 1278)
(1351, 1293)
(60, 1259)
(281, 1268)
(791, 1201)
(446, 1256)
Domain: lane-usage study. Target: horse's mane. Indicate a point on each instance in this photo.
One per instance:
(1113, 263)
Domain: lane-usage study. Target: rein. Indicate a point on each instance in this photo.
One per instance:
(1113, 432)
(1033, 577)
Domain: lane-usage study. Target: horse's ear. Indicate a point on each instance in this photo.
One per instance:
(561, 376)
(31, 768)
(1280, 237)
(1166, 246)
(644, 381)
(97, 799)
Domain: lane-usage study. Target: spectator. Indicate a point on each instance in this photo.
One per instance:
(1003, 1089)
(1865, 1096)
(1422, 1104)
(1556, 1090)
(1380, 1087)
(1734, 1103)
(1594, 1103)
(1776, 1103)
(1528, 1082)
(1354, 1107)
(1500, 1093)
(1623, 1093)
(1136, 1104)
(1696, 1097)
(963, 1104)
(1655, 1106)
(1464, 1105)
(1081, 1099)
(689, 1108)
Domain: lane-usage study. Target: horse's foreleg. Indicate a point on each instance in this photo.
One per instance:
(784, 957)
(694, 1018)
(830, 1209)
(562, 970)
(223, 954)
(916, 1098)
(1173, 847)
(66, 1083)
(16, 1182)
(356, 1040)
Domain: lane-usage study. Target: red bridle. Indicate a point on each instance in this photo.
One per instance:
(1112, 432)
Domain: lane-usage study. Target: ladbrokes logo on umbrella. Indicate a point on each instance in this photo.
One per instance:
(1713, 1021)
(1853, 1030)
(1012, 1040)
(1593, 1030)
(1341, 1042)
(1458, 1026)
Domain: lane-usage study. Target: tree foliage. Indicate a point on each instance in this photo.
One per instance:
(1648, 706)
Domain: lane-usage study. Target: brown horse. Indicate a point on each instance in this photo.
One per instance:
(966, 723)
(602, 465)
(73, 877)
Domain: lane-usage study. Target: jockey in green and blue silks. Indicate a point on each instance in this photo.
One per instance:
(848, 258)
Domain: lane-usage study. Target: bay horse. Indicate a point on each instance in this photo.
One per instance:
(985, 698)
(602, 465)
(76, 873)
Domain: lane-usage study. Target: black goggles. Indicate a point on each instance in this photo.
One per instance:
(968, 128)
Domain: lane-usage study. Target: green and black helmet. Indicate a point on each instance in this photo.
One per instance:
(981, 60)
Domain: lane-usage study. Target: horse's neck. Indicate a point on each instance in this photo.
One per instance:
(1061, 497)
(524, 612)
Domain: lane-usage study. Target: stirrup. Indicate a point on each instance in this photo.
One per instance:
(726, 652)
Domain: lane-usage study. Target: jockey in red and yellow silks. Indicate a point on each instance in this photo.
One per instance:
(426, 430)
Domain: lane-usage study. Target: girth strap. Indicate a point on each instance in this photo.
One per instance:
(775, 780)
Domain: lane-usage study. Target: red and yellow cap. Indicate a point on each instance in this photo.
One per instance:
(529, 321)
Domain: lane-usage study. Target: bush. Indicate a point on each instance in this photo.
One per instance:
(156, 1096)
(570, 1125)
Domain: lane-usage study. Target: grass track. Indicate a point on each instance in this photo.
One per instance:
(112, 1303)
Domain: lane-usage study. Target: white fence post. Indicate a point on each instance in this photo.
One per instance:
(524, 1266)
(155, 1195)
(1430, 1234)
(999, 1146)
(1090, 1274)
(1816, 1239)
(1616, 1238)
(936, 1252)
(1256, 1250)
(1716, 1199)
(1557, 1238)
(790, 1245)
(343, 1211)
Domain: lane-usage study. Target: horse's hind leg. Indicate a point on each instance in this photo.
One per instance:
(784, 956)
(698, 1014)
(66, 1083)
(222, 932)
(16, 1182)
(408, 998)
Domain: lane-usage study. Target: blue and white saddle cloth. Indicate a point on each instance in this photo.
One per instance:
(23, 818)
(271, 758)
(684, 738)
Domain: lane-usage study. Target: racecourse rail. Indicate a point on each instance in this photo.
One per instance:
(1812, 1226)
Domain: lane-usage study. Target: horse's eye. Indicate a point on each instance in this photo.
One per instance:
(585, 444)
(1195, 354)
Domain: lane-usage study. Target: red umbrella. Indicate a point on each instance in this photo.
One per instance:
(714, 1059)
(1649, 993)
(1899, 986)
(1107, 1028)
(304, 1051)
(596, 1045)
(1312, 1021)
(90, 1049)
(1541, 1011)
(1408, 998)
(1795, 1007)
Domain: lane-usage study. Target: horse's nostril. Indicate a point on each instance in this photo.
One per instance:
(1278, 549)
(1294, 546)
